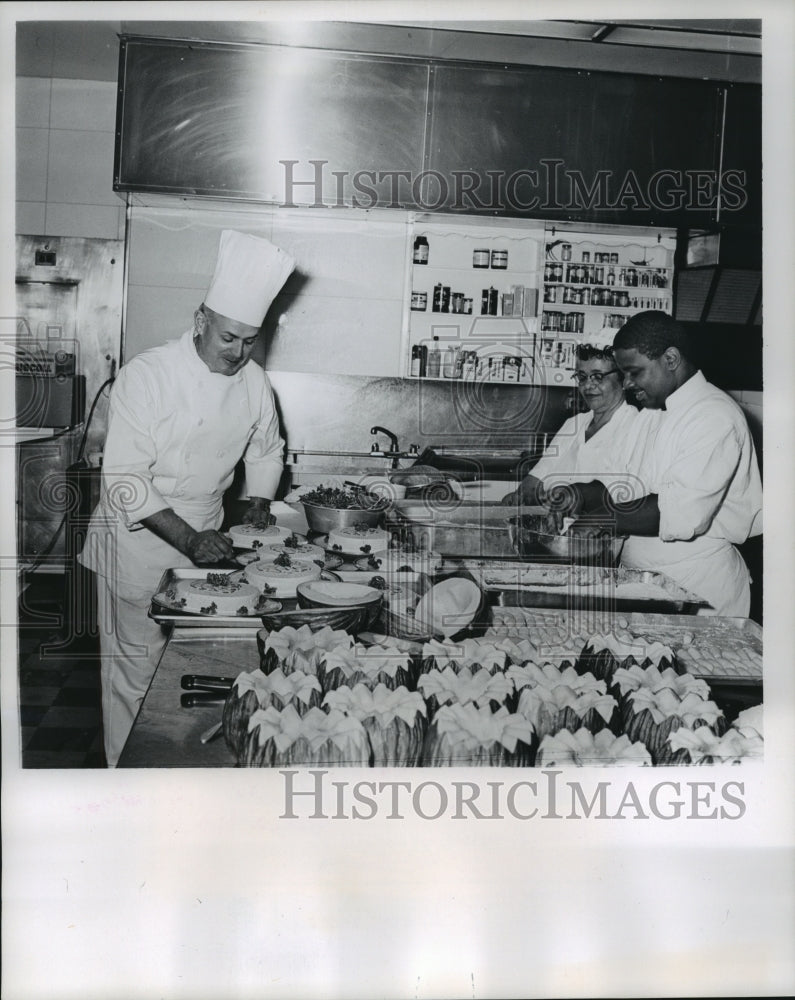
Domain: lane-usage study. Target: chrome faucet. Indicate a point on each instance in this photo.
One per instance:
(394, 449)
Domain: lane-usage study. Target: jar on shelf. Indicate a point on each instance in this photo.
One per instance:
(481, 258)
(511, 368)
(421, 250)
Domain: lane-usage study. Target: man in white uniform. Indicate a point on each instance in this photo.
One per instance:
(703, 490)
(181, 417)
(607, 443)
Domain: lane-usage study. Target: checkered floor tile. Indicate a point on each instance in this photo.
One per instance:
(59, 688)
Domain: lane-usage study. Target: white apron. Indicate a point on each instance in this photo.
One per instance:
(710, 567)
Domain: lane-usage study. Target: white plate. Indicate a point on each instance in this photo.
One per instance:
(339, 594)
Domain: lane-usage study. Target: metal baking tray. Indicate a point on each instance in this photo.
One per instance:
(601, 588)
(170, 616)
(708, 646)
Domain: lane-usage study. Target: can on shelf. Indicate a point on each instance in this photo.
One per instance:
(419, 301)
(480, 258)
(499, 259)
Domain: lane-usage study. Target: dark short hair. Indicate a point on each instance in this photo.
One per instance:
(651, 333)
(587, 352)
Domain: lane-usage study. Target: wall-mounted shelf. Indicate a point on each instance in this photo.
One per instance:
(475, 300)
(527, 317)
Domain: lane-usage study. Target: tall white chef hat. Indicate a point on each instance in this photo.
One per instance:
(249, 273)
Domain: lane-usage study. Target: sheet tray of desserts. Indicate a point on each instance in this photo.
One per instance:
(552, 585)
(708, 646)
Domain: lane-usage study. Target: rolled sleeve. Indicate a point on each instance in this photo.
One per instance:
(130, 451)
(692, 489)
(264, 456)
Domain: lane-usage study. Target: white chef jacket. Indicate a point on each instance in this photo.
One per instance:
(614, 455)
(704, 471)
(176, 432)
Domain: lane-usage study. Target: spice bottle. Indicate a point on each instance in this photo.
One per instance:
(421, 250)
(434, 359)
(448, 369)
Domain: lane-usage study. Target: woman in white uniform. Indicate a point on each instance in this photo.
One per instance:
(606, 443)
(181, 417)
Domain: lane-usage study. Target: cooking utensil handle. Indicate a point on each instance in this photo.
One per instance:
(196, 698)
(205, 682)
(209, 735)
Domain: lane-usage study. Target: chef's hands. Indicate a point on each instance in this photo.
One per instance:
(258, 513)
(573, 501)
(198, 546)
(208, 547)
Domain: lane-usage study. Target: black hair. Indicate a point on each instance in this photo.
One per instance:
(588, 352)
(651, 333)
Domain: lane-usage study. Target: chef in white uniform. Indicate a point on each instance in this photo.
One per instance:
(702, 483)
(608, 442)
(181, 417)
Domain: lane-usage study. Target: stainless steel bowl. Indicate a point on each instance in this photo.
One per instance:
(326, 519)
(530, 538)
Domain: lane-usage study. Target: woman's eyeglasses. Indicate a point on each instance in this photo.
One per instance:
(596, 377)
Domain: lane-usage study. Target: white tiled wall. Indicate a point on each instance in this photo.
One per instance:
(340, 311)
(65, 142)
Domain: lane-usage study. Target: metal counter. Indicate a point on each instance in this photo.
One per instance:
(165, 734)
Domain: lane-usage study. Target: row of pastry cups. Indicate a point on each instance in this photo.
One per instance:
(343, 733)
(580, 699)
(471, 657)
